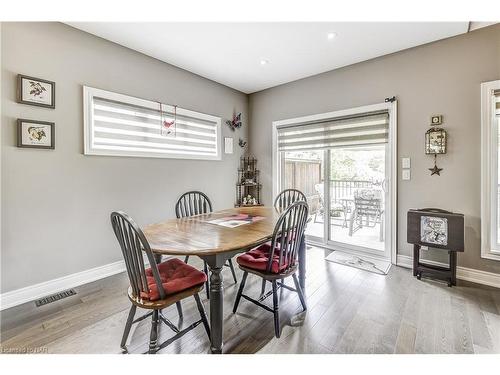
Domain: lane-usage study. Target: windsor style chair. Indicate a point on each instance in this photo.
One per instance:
(195, 203)
(276, 261)
(157, 287)
(282, 201)
(287, 197)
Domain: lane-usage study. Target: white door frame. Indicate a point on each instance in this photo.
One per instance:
(391, 204)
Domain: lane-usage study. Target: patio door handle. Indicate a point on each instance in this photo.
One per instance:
(385, 185)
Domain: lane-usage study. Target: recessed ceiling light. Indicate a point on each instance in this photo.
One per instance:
(264, 62)
(331, 35)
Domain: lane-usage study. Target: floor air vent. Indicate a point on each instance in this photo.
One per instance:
(54, 297)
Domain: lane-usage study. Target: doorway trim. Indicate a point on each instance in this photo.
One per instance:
(391, 107)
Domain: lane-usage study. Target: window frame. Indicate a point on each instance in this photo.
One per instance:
(490, 247)
(88, 126)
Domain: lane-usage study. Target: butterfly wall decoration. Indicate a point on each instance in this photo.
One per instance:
(235, 123)
(242, 143)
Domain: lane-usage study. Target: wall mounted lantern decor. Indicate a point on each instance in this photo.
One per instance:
(435, 143)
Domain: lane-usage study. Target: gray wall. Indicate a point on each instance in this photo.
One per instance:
(56, 204)
(439, 78)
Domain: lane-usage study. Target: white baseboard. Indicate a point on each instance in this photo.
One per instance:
(30, 293)
(463, 273)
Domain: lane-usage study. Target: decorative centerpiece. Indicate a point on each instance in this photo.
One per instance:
(248, 186)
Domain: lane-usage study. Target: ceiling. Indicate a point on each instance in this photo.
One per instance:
(250, 57)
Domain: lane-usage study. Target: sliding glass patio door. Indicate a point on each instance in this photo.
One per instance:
(305, 171)
(359, 195)
(344, 167)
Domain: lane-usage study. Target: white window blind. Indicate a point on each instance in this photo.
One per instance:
(122, 125)
(363, 129)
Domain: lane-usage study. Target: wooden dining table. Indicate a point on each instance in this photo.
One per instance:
(215, 244)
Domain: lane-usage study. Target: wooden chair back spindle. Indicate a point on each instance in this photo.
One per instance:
(287, 197)
(192, 203)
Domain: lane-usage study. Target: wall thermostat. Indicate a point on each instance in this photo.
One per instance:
(437, 120)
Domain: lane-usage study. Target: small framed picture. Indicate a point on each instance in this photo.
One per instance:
(35, 134)
(36, 91)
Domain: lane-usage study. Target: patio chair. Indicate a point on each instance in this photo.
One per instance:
(335, 207)
(368, 211)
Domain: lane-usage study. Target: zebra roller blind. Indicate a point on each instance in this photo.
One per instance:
(363, 129)
(122, 125)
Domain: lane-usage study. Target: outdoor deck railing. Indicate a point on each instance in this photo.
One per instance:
(342, 189)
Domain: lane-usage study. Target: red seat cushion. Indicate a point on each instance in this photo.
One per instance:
(258, 259)
(175, 276)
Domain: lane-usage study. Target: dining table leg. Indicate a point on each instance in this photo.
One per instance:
(215, 264)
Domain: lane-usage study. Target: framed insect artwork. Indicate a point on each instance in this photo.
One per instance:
(35, 134)
(36, 91)
(235, 123)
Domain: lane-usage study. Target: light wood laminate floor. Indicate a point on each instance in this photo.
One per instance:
(349, 311)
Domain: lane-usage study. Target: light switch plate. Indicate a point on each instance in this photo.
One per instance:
(228, 145)
(405, 163)
(406, 175)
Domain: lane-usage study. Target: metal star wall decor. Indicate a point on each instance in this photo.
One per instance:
(435, 169)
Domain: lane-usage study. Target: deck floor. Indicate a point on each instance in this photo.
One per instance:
(349, 311)
(368, 237)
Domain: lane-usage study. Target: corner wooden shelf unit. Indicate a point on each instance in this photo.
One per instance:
(248, 182)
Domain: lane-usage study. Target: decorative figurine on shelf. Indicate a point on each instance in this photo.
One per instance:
(435, 142)
(249, 200)
(235, 123)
